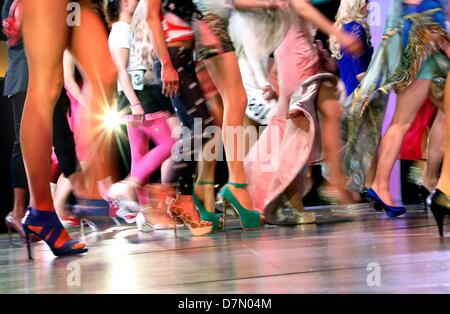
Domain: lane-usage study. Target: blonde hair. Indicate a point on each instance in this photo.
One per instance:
(141, 32)
(349, 11)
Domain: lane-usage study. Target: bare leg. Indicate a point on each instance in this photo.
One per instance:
(166, 167)
(20, 196)
(331, 143)
(205, 192)
(409, 102)
(90, 48)
(206, 168)
(62, 192)
(224, 70)
(436, 144)
(444, 181)
(41, 24)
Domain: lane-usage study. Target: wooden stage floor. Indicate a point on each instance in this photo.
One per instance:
(346, 252)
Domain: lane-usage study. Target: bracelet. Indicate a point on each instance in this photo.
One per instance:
(135, 104)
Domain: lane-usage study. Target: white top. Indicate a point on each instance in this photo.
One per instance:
(121, 36)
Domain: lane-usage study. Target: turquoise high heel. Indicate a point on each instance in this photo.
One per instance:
(250, 219)
(205, 215)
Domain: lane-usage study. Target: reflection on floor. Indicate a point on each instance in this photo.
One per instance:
(347, 251)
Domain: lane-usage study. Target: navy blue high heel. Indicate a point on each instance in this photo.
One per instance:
(50, 233)
(391, 211)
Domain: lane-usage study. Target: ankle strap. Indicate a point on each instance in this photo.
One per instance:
(204, 183)
(238, 185)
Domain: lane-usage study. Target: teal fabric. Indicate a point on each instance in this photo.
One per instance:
(365, 108)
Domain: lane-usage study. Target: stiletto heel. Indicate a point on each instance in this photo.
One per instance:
(391, 211)
(439, 217)
(169, 203)
(27, 239)
(51, 231)
(439, 204)
(142, 224)
(205, 215)
(175, 227)
(250, 219)
(188, 215)
(9, 234)
(226, 205)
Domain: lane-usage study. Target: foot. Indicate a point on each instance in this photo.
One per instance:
(183, 208)
(17, 220)
(384, 195)
(124, 193)
(243, 196)
(158, 220)
(63, 238)
(122, 190)
(429, 183)
(206, 195)
(335, 195)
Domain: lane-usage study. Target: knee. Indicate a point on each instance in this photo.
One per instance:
(332, 111)
(237, 101)
(166, 147)
(401, 127)
(47, 89)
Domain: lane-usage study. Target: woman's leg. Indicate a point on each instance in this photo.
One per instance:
(166, 168)
(224, 70)
(409, 102)
(435, 151)
(206, 169)
(139, 147)
(444, 181)
(90, 48)
(18, 175)
(332, 111)
(62, 192)
(44, 22)
(148, 162)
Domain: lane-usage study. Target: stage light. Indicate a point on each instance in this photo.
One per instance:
(112, 119)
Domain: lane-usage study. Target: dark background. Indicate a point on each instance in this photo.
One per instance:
(7, 135)
(6, 140)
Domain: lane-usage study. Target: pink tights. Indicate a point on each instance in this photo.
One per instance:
(143, 161)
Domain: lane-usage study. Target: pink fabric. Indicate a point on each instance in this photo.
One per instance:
(81, 148)
(276, 159)
(296, 59)
(143, 161)
(284, 149)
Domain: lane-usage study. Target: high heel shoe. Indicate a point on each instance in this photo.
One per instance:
(250, 219)
(153, 199)
(205, 215)
(11, 225)
(373, 204)
(123, 194)
(439, 204)
(188, 215)
(391, 211)
(51, 230)
(423, 195)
